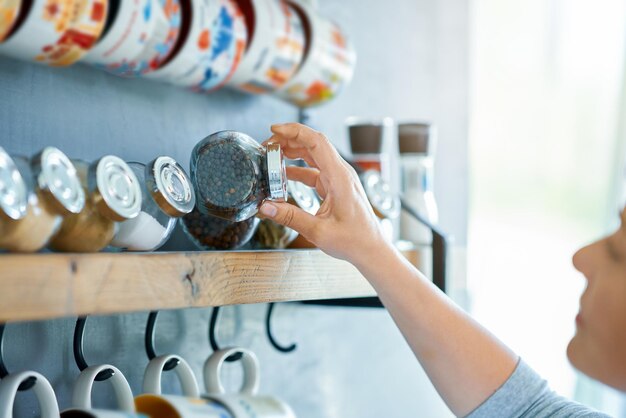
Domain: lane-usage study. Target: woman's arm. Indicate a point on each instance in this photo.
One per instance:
(463, 360)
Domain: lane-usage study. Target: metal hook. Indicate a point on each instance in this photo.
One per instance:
(79, 357)
(149, 342)
(213, 341)
(25, 385)
(270, 336)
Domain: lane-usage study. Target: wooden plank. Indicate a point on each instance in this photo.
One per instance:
(43, 286)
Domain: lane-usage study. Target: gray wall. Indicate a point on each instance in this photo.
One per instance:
(350, 363)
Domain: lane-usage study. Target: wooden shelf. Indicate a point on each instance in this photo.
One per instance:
(43, 286)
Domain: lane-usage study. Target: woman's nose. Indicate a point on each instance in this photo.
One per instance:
(582, 260)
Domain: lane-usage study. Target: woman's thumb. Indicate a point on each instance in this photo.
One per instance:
(289, 215)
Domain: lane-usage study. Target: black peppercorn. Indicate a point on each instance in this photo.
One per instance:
(233, 175)
(211, 233)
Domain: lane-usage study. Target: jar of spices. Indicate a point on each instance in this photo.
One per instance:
(34, 198)
(167, 195)
(385, 203)
(273, 235)
(113, 195)
(233, 175)
(211, 233)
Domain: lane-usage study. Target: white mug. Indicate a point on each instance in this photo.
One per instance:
(57, 32)
(190, 65)
(9, 11)
(245, 403)
(125, 39)
(81, 396)
(190, 405)
(328, 65)
(145, 41)
(275, 48)
(43, 391)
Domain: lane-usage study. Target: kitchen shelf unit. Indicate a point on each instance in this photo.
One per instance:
(45, 286)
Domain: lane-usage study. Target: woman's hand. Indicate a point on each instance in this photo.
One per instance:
(345, 226)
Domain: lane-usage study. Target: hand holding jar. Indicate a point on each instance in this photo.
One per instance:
(345, 225)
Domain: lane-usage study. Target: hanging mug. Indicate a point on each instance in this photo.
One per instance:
(43, 391)
(245, 403)
(328, 64)
(143, 36)
(275, 46)
(9, 13)
(81, 396)
(57, 32)
(215, 40)
(190, 405)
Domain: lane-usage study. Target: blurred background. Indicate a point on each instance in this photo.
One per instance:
(546, 156)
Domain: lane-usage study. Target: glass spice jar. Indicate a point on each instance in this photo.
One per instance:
(113, 195)
(233, 175)
(211, 233)
(167, 195)
(34, 197)
(385, 203)
(275, 236)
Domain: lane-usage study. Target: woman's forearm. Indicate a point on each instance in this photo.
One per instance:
(464, 361)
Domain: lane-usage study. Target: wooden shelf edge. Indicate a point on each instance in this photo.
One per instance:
(45, 286)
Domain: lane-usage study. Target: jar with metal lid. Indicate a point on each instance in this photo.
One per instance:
(35, 196)
(211, 233)
(233, 175)
(113, 196)
(273, 235)
(385, 203)
(167, 196)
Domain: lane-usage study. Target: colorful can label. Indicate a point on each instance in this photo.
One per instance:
(58, 32)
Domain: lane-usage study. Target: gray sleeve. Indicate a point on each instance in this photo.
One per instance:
(526, 394)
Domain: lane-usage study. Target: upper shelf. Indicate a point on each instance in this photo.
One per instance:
(43, 286)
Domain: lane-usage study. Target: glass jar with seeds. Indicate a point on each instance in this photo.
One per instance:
(167, 196)
(233, 175)
(113, 196)
(211, 233)
(35, 196)
(276, 236)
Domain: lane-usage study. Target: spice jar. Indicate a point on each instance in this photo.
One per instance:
(210, 233)
(34, 199)
(273, 235)
(232, 175)
(167, 195)
(113, 195)
(385, 203)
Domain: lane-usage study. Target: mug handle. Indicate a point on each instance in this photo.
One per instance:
(213, 370)
(43, 390)
(81, 397)
(154, 371)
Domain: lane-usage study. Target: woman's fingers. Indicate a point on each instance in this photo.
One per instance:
(295, 135)
(308, 176)
(291, 216)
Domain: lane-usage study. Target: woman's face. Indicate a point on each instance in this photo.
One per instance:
(599, 347)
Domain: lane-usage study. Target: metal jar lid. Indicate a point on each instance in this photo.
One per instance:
(276, 174)
(304, 196)
(115, 188)
(56, 177)
(14, 188)
(170, 186)
(380, 195)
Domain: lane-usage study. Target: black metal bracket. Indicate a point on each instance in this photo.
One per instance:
(79, 356)
(213, 341)
(270, 335)
(149, 342)
(26, 384)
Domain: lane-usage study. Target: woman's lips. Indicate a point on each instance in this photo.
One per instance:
(579, 319)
